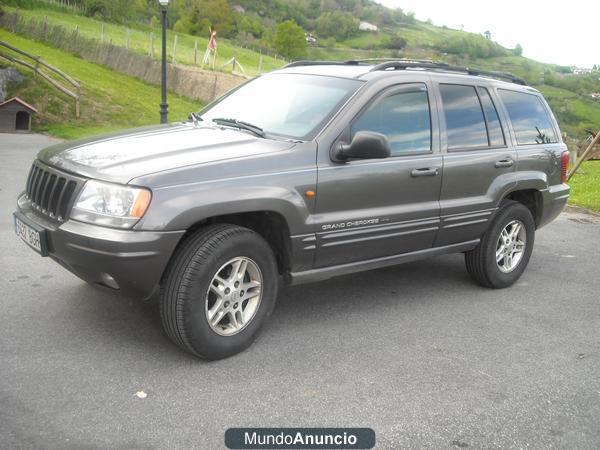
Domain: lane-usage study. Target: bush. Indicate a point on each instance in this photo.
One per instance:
(289, 40)
(471, 45)
(395, 42)
(337, 24)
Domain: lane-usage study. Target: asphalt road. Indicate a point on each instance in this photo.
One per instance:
(417, 352)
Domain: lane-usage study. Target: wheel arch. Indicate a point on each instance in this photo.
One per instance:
(270, 225)
(530, 198)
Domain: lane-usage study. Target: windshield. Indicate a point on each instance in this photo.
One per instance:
(290, 105)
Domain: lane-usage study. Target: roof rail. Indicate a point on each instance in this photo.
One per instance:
(444, 67)
(321, 63)
(381, 60)
(358, 62)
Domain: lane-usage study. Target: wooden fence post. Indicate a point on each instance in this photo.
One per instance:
(196, 52)
(595, 141)
(151, 53)
(77, 102)
(260, 64)
(174, 48)
(127, 38)
(102, 35)
(14, 24)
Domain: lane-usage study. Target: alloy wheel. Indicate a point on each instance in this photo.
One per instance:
(233, 296)
(511, 246)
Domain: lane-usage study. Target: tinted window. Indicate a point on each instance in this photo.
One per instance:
(465, 124)
(493, 122)
(529, 118)
(403, 117)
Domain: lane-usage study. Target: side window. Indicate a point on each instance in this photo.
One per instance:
(404, 117)
(529, 118)
(465, 124)
(493, 122)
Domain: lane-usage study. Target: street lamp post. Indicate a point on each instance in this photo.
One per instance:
(164, 106)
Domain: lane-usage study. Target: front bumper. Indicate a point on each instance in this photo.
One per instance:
(554, 200)
(128, 260)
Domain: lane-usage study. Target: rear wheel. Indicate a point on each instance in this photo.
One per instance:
(502, 255)
(219, 289)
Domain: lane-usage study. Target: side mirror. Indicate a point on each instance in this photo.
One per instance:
(365, 145)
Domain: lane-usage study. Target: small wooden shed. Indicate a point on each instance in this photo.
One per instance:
(15, 115)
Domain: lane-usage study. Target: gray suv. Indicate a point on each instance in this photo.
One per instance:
(313, 171)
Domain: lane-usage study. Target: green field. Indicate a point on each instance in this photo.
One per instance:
(585, 186)
(139, 40)
(110, 100)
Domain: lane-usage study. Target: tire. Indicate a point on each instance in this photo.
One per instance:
(187, 298)
(482, 262)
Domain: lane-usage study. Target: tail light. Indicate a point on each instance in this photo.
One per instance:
(564, 166)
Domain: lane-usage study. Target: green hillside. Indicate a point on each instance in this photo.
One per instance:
(110, 100)
(139, 39)
(334, 23)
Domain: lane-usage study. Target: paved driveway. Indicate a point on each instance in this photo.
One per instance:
(417, 352)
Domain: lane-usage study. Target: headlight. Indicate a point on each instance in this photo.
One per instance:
(111, 205)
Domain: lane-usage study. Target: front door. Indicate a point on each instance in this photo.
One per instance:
(372, 208)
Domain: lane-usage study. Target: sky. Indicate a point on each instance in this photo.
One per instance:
(565, 32)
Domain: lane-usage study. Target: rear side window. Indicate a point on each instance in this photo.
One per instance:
(465, 123)
(529, 118)
(404, 118)
(491, 115)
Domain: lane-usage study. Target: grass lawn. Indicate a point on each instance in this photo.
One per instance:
(139, 40)
(585, 186)
(110, 100)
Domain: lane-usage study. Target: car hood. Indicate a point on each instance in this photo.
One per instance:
(123, 156)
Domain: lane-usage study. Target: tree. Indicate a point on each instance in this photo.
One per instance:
(518, 50)
(197, 16)
(340, 25)
(289, 40)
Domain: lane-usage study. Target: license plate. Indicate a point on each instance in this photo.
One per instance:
(32, 237)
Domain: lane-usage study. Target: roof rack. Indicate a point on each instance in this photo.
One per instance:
(404, 64)
(444, 67)
(381, 60)
(321, 63)
(358, 62)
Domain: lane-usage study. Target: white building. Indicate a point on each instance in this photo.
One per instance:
(366, 26)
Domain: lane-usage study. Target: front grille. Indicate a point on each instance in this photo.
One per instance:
(51, 192)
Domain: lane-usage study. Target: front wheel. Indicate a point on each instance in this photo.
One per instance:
(502, 255)
(219, 289)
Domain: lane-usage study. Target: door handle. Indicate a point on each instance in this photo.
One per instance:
(425, 172)
(508, 162)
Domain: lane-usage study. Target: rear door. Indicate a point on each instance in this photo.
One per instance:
(479, 161)
(536, 135)
(378, 207)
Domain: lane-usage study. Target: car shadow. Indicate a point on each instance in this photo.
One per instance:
(126, 322)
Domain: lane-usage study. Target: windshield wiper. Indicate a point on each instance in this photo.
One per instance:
(258, 131)
(195, 118)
